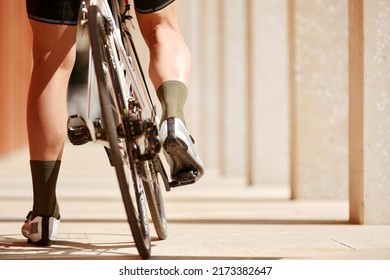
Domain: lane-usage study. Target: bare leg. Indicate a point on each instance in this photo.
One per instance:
(54, 56)
(169, 70)
(170, 58)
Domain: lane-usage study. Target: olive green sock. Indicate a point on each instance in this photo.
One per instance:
(44, 178)
(172, 96)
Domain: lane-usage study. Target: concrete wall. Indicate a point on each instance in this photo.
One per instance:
(319, 103)
(268, 93)
(238, 107)
(15, 68)
(288, 78)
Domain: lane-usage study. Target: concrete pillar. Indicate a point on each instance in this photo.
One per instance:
(234, 134)
(221, 84)
(319, 101)
(208, 87)
(369, 106)
(268, 93)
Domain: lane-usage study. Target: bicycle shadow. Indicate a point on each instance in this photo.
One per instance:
(18, 249)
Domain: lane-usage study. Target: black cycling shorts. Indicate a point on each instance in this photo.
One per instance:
(67, 11)
(150, 6)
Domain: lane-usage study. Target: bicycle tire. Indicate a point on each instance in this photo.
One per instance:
(149, 169)
(155, 200)
(136, 212)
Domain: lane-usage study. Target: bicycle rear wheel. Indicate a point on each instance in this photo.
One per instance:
(151, 176)
(121, 149)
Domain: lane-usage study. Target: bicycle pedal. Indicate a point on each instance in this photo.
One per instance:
(175, 184)
(78, 132)
(184, 179)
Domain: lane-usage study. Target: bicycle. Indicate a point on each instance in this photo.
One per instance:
(128, 127)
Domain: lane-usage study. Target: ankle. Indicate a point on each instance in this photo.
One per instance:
(44, 177)
(172, 96)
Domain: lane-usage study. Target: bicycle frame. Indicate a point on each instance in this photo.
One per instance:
(88, 127)
(131, 88)
(128, 124)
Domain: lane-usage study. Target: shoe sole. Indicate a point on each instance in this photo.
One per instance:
(177, 149)
(42, 242)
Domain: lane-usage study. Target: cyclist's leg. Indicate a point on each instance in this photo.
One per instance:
(169, 70)
(170, 59)
(54, 55)
(54, 36)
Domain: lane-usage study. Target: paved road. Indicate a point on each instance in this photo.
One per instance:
(218, 218)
